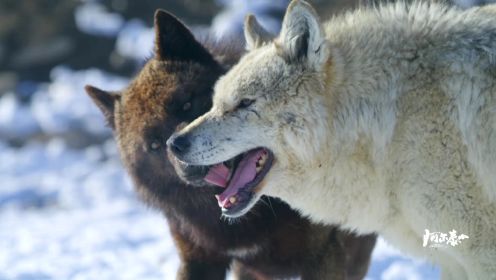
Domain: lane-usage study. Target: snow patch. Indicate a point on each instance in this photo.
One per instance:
(135, 40)
(93, 18)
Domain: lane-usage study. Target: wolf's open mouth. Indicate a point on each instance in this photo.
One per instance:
(246, 172)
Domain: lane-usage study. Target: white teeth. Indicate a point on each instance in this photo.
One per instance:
(232, 199)
(261, 162)
(218, 201)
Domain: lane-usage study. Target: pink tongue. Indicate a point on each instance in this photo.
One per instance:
(218, 175)
(245, 173)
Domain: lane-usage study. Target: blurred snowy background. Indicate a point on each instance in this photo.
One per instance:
(67, 209)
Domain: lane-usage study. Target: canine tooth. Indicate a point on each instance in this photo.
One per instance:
(258, 168)
(262, 160)
(232, 199)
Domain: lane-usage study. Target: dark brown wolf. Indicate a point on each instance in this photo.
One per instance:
(173, 88)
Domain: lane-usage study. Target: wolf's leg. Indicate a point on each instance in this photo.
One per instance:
(240, 272)
(407, 239)
(192, 270)
(446, 274)
(480, 263)
(329, 263)
(358, 251)
(196, 261)
(450, 269)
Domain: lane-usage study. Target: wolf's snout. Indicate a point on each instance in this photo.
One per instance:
(179, 145)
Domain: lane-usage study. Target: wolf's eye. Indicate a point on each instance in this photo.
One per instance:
(154, 145)
(187, 106)
(245, 102)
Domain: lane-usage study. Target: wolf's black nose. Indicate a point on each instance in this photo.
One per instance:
(179, 145)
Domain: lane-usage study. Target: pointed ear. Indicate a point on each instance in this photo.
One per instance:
(255, 34)
(174, 41)
(105, 101)
(302, 37)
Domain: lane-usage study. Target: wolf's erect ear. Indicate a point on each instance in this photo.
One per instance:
(174, 41)
(302, 36)
(105, 101)
(255, 34)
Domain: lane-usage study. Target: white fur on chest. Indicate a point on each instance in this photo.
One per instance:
(244, 252)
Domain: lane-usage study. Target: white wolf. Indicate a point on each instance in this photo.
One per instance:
(381, 120)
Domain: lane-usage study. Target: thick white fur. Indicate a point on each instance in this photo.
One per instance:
(386, 124)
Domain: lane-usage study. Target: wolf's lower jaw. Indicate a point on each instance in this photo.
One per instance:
(240, 176)
(237, 213)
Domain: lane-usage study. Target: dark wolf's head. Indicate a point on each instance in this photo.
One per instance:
(173, 88)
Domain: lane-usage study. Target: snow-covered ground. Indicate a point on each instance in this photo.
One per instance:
(69, 211)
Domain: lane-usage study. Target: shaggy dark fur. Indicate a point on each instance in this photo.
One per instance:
(174, 88)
